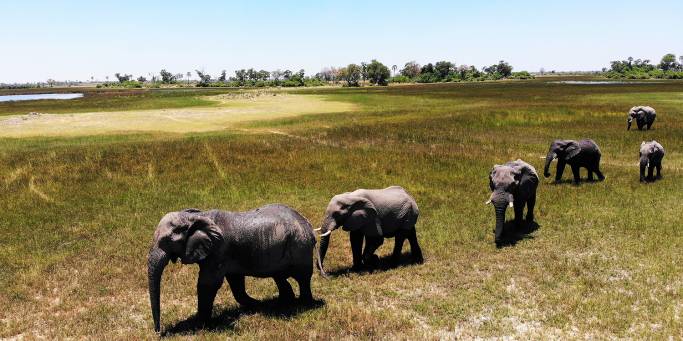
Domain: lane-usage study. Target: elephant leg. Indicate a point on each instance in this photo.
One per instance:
(206, 294)
(590, 174)
(649, 125)
(519, 212)
(415, 250)
(371, 245)
(304, 281)
(238, 290)
(286, 294)
(356, 238)
(650, 170)
(560, 170)
(398, 245)
(530, 208)
(576, 171)
(659, 170)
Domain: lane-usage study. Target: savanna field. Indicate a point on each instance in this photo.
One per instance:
(80, 200)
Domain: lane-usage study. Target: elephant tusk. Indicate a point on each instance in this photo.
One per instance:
(318, 229)
(326, 234)
(488, 202)
(512, 205)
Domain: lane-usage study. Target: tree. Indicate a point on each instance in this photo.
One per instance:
(123, 78)
(411, 69)
(351, 74)
(204, 78)
(223, 76)
(241, 76)
(394, 68)
(142, 79)
(443, 69)
(378, 73)
(188, 74)
(504, 69)
(364, 71)
(668, 62)
(167, 77)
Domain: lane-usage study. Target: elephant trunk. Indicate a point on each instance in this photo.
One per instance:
(156, 262)
(500, 207)
(548, 159)
(325, 230)
(628, 127)
(643, 164)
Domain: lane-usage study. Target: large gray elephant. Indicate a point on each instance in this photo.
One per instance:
(513, 184)
(651, 155)
(577, 154)
(643, 115)
(270, 241)
(371, 214)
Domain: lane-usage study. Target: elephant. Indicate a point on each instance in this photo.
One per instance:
(651, 155)
(577, 154)
(513, 184)
(644, 116)
(271, 241)
(371, 214)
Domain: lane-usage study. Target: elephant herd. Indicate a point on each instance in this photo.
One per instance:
(276, 241)
(514, 184)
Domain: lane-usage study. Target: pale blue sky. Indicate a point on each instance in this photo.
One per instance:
(78, 39)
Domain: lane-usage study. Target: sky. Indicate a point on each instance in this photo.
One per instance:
(77, 40)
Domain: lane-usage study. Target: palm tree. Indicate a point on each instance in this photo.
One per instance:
(188, 74)
(394, 67)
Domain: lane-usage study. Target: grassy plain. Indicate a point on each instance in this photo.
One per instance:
(77, 215)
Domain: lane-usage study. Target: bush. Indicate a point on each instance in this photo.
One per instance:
(522, 75)
(400, 79)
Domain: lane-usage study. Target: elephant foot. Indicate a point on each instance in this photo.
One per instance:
(530, 218)
(371, 261)
(246, 301)
(418, 259)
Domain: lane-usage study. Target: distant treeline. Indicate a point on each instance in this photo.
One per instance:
(668, 68)
(373, 73)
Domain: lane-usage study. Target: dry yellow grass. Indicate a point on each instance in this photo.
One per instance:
(230, 111)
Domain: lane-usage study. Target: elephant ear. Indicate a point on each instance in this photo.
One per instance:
(491, 174)
(572, 150)
(204, 237)
(363, 212)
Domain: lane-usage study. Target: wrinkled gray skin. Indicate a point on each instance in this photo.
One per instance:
(270, 241)
(651, 155)
(576, 154)
(371, 214)
(512, 183)
(643, 115)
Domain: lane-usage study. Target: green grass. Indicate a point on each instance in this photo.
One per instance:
(77, 217)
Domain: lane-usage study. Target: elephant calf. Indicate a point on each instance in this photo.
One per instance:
(644, 116)
(577, 154)
(371, 214)
(512, 184)
(271, 241)
(651, 155)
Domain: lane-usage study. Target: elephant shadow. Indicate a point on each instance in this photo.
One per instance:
(568, 182)
(513, 234)
(385, 264)
(227, 318)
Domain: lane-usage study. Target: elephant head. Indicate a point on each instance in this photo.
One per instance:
(349, 210)
(562, 149)
(503, 181)
(633, 113)
(183, 235)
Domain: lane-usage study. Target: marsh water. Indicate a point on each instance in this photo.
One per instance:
(33, 97)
